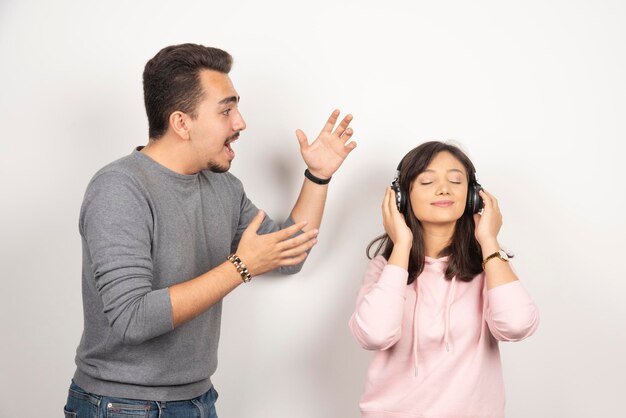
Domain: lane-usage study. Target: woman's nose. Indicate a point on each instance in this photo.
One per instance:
(442, 189)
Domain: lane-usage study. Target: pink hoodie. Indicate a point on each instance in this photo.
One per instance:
(436, 341)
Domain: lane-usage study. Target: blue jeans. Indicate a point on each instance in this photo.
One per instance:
(81, 404)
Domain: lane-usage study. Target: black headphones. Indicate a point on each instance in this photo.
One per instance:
(474, 201)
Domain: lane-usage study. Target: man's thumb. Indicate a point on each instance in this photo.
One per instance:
(256, 221)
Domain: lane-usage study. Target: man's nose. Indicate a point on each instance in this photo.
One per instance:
(238, 123)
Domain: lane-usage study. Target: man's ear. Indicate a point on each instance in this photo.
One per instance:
(180, 124)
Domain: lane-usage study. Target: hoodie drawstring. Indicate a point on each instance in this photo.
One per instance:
(415, 327)
(451, 294)
(446, 334)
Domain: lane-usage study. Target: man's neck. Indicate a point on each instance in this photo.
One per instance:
(170, 154)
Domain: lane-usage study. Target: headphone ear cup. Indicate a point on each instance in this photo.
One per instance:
(474, 201)
(400, 198)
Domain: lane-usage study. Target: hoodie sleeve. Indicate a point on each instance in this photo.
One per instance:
(377, 320)
(510, 313)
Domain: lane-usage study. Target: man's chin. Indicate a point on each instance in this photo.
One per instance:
(218, 168)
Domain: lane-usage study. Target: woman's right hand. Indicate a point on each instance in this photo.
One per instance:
(393, 221)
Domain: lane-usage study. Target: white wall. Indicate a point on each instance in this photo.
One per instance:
(534, 90)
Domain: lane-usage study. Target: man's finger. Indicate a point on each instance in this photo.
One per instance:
(330, 123)
(341, 128)
(297, 251)
(347, 134)
(296, 241)
(256, 222)
(293, 261)
(285, 233)
(302, 139)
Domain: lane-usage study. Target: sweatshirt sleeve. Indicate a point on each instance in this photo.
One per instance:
(511, 314)
(116, 225)
(377, 320)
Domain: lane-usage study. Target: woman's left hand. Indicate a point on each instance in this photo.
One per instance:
(489, 221)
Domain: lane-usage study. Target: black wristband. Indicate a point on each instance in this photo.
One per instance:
(314, 179)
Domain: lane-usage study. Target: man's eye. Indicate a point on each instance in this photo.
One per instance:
(226, 112)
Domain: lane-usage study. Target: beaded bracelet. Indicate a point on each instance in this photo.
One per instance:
(241, 267)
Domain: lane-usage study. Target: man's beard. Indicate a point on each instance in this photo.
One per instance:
(217, 168)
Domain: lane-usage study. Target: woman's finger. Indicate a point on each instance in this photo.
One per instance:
(391, 201)
(492, 200)
(386, 201)
(487, 202)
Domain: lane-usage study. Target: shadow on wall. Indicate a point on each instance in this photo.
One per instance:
(339, 364)
(330, 365)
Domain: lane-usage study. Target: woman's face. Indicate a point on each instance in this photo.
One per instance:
(439, 193)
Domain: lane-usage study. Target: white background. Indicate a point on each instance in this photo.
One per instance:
(534, 91)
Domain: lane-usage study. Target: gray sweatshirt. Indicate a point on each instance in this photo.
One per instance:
(145, 228)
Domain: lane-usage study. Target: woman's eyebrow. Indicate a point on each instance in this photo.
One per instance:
(456, 170)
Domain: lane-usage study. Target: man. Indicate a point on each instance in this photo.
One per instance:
(167, 232)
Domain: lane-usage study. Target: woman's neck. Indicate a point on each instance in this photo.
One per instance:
(436, 238)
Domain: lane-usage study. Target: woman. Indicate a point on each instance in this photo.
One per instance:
(439, 296)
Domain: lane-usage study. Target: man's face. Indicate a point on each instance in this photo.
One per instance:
(217, 123)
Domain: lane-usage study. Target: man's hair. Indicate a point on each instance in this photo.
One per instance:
(171, 81)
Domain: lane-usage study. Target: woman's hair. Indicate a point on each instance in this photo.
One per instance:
(465, 255)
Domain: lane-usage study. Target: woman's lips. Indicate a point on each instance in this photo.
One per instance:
(443, 203)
